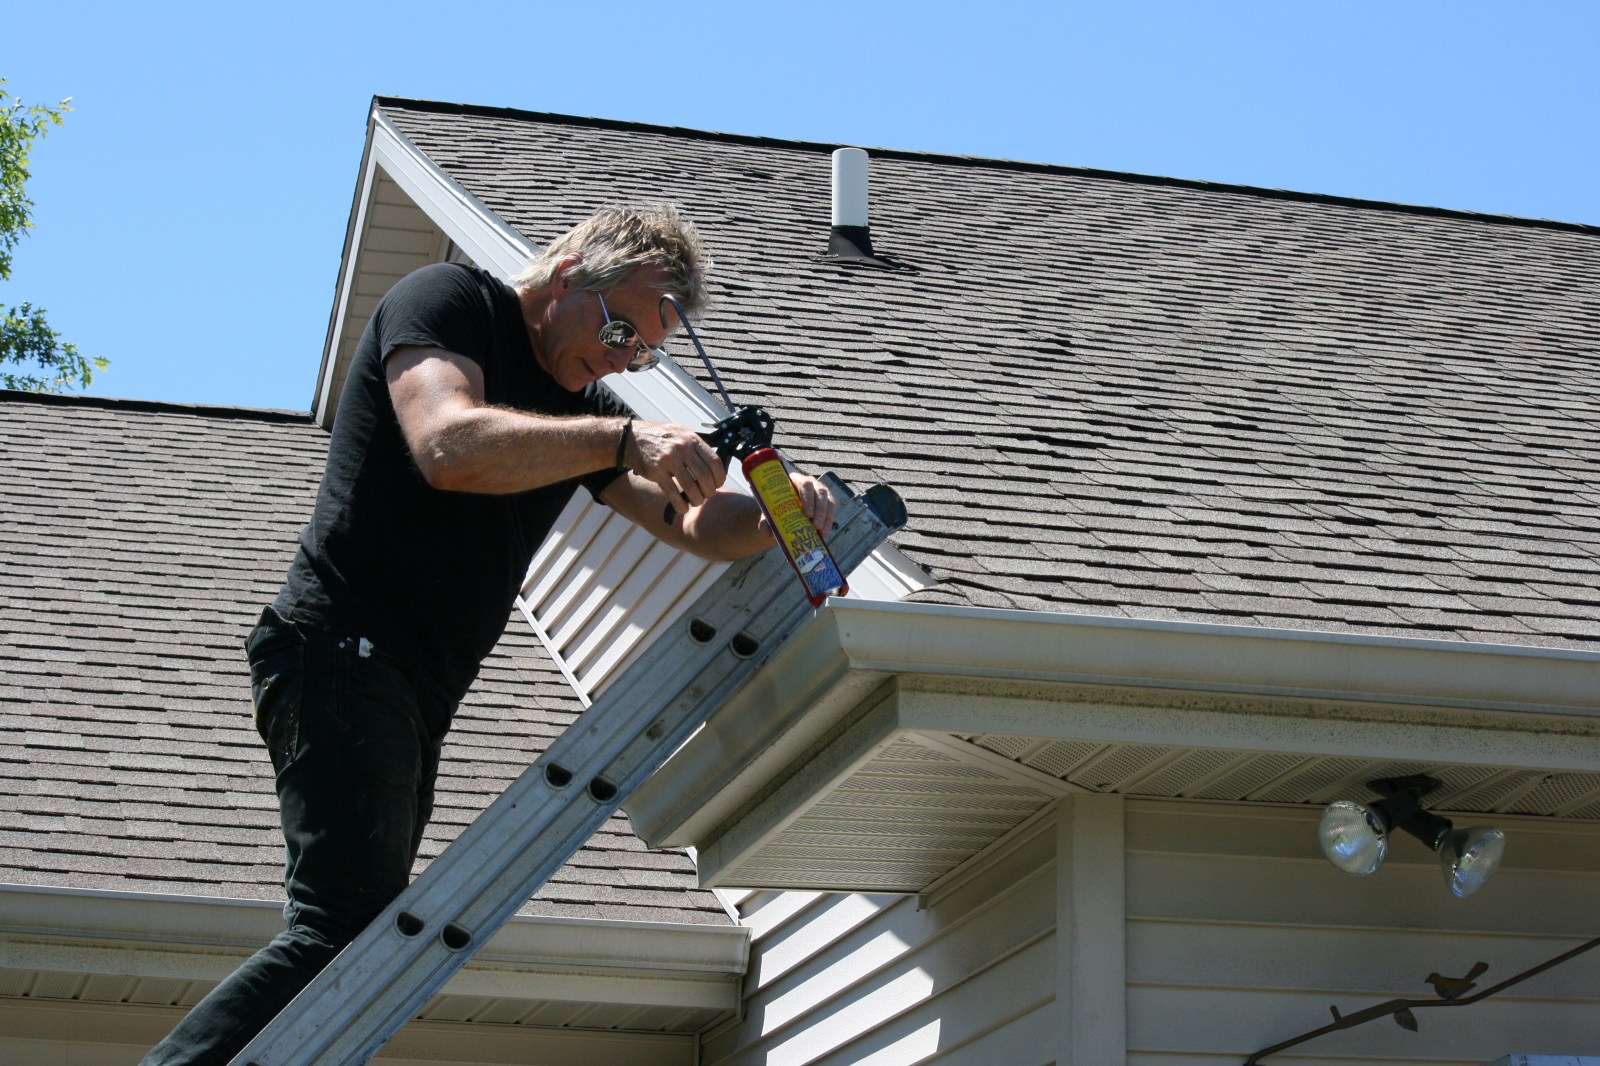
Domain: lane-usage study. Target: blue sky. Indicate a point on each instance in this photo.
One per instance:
(189, 215)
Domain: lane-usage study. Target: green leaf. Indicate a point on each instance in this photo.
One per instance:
(48, 364)
(45, 362)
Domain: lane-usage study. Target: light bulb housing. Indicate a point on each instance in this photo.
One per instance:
(1469, 857)
(1355, 836)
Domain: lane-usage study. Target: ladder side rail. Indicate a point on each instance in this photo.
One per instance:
(387, 974)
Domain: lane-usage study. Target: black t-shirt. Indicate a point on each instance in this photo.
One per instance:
(427, 574)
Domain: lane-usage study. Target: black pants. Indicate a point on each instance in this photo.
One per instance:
(354, 737)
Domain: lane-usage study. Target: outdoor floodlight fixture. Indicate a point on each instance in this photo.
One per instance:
(1355, 836)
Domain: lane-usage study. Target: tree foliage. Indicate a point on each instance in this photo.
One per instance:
(46, 362)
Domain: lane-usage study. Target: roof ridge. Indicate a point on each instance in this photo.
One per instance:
(443, 107)
(261, 414)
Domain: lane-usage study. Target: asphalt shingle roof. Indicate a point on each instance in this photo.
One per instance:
(1098, 393)
(1115, 395)
(138, 542)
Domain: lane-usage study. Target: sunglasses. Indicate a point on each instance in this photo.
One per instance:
(621, 335)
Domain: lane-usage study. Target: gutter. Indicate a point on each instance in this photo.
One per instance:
(940, 669)
(940, 639)
(159, 935)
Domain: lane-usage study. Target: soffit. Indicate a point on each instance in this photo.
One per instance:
(901, 757)
(912, 808)
(914, 812)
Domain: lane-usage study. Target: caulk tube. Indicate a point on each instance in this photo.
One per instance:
(799, 539)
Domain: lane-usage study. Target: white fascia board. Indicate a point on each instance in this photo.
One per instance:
(204, 938)
(347, 269)
(776, 720)
(1020, 646)
(475, 229)
(965, 670)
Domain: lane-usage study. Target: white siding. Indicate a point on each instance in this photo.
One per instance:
(857, 979)
(1238, 935)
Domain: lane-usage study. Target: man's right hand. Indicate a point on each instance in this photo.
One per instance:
(677, 460)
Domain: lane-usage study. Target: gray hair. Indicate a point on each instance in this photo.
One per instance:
(615, 241)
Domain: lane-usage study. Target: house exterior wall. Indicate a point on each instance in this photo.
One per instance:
(1238, 935)
(967, 979)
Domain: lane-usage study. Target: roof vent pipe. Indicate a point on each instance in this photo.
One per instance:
(851, 238)
(850, 188)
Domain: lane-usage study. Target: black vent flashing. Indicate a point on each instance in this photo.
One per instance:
(852, 246)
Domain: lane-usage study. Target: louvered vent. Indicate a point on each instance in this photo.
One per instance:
(600, 589)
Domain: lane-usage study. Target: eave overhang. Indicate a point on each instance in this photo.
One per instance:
(888, 744)
(155, 949)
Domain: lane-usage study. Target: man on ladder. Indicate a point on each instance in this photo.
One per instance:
(470, 415)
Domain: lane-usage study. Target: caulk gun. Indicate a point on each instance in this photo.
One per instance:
(746, 434)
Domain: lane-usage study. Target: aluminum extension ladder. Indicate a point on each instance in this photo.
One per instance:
(383, 978)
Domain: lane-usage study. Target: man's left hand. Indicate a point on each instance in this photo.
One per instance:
(816, 502)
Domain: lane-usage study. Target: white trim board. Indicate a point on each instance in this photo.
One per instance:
(204, 938)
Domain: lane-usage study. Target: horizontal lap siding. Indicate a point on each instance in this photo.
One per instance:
(854, 979)
(1240, 936)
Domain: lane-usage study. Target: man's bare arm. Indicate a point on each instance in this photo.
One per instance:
(461, 444)
(729, 525)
